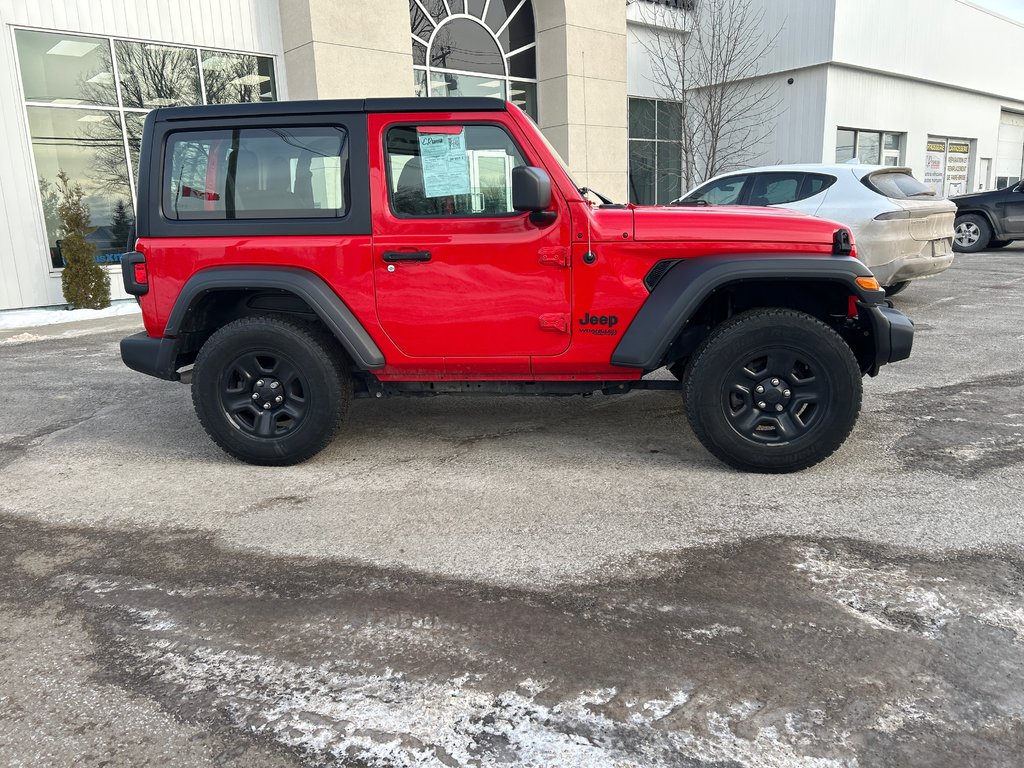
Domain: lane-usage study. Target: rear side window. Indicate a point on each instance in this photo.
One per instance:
(787, 187)
(451, 171)
(722, 192)
(814, 183)
(898, 185)
(257, 173)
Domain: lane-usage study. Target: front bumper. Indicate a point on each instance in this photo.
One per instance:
(154, 357)
(893, 334)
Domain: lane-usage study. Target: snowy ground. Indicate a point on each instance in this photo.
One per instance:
(34, 318)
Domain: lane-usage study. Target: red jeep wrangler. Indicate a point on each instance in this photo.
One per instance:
(300, 254)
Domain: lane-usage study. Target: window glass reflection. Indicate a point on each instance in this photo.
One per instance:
(642, 166)
(465, 45)
(133, 122)
(88, 146)
(232, 78)
(442, 84)
(65, 69)
(157, 75)
(524, 96)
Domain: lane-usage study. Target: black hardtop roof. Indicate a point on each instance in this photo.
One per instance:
(332, 106)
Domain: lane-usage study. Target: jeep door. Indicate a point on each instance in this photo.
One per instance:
(459, 273)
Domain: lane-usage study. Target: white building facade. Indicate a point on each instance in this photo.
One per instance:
(930, 84)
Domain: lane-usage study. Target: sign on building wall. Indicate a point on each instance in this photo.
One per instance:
(947, 163)
(935, 164)
(958, 161)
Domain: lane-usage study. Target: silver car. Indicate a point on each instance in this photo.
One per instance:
(901, 229)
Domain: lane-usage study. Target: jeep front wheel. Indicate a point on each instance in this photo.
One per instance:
(269, 391)
(773, 390)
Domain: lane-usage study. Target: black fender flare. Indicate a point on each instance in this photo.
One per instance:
(309, 287)
(688, 282)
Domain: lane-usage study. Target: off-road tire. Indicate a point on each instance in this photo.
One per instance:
(971, 233)
(304, 367)
(892, 290)
(806, 358)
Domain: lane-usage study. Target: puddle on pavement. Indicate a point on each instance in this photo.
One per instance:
(772, 652)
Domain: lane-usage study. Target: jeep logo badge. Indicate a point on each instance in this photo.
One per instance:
(599, 325)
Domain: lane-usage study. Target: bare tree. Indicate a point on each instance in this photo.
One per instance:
(707, 56)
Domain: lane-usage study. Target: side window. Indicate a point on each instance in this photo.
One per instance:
(815, 183)
(775, 188)
(446, 171)
(722, 192)
(256, 173)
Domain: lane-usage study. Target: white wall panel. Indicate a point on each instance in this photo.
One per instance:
(941, 41)
(251, 26)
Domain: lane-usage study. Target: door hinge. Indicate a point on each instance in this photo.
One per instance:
(556, 256)
(557, 322)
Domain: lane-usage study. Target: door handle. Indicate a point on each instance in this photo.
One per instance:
(390, 256)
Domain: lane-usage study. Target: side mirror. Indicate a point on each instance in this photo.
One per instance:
(531, 189)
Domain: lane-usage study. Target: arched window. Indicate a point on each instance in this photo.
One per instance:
(475, 48)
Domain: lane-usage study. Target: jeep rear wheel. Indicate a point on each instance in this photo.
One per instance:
(269, 391)
(773, 390)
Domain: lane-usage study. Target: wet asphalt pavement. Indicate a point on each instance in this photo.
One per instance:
(460, 582)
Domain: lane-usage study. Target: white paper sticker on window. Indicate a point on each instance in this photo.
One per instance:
(445, 163)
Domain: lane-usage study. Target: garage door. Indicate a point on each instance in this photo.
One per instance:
(1010, 159)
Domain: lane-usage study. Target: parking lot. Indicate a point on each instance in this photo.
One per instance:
(521, 581)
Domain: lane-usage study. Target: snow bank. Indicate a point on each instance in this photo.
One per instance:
(33, 318)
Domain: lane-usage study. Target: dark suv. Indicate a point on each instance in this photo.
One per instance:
(987, 220)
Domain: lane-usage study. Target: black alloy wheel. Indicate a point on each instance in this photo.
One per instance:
(773, 390)
(270, 391)
(264, 394)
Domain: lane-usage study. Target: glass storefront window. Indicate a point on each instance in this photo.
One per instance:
(65, 69)
(157, 75)
(642, 124)
(232, 78)
(642, 169)
(444, 84)
(524, 96)
(655, 151)
(133, 122)
(420, 83)
(77, 124)
(87, 145)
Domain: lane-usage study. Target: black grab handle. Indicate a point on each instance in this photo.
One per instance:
(406, 256)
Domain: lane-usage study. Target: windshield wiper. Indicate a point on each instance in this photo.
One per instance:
(588, 191)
